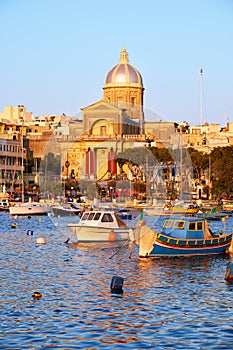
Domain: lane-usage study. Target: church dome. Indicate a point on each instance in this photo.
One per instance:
(123, 73)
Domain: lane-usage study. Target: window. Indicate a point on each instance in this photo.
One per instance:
(97, 216)
(103, 131)
(191, 226)
(179, 224)
(200, 226)
(85, 216)
(107, 218)
(133, 100)
(167, 224)
(91, 215)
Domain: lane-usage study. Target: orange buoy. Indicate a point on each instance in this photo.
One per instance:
(112, 236)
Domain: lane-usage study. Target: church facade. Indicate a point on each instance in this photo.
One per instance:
(110, 125)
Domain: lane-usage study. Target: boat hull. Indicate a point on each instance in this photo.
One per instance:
(99, 234)
(166, 247)
(60, 211)
(29, 209)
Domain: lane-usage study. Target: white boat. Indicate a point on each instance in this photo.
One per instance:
(66, 210)
(101, 226)
(4, 205)
(30, 208)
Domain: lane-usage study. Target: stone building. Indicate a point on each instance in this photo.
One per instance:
(110, 125)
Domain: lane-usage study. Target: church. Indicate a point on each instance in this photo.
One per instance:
(110, 125)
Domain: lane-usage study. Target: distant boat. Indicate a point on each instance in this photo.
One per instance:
(66, 210)
(180, 207)
(127, 214)
(4, 206)
(211, 213)
(181, 236)
(100, 226)
(30, 208)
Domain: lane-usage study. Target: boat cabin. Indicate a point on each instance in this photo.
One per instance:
(188, 228)
(97, 218)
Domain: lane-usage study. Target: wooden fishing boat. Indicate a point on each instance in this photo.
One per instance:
(211, 212)
(100, 226)
(181, 236)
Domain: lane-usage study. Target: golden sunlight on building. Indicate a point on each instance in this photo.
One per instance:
(110, 125)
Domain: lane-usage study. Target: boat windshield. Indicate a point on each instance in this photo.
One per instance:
(91, 215)
(97, 216)
(107, 218)
(85, 216)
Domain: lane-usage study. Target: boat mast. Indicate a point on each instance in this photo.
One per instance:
(22, 162)
(201, 88)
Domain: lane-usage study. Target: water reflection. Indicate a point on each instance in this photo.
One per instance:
(167, 303)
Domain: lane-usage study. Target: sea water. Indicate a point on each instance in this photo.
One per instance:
(177, 303)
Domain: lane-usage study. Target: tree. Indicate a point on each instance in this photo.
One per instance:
(222, 171)
(200, 162)
(51, 164)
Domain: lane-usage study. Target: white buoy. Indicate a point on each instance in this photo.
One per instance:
(40, 240)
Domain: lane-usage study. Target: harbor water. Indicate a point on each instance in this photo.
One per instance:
(177, 303)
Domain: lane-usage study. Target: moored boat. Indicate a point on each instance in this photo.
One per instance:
(181, 236)
(4, 205)
(29, 208)
(66, 210)
(100, 226)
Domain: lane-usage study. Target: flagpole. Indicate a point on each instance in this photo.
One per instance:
(201, 88)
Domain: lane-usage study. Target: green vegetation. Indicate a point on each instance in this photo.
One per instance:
(216, 166)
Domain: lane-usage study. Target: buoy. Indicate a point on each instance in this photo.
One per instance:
(29, 232)
(16, 217)
(117, 284)
(112, 236)
(36, 295)
(56, 224)
(14, 225)
(40, 219)
(229, 272)
(40, 240)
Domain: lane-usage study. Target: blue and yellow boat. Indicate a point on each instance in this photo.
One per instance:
(181, 236)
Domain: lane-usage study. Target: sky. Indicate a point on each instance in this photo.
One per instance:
(55, 55)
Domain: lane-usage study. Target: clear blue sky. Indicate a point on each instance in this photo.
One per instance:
(55, 54)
